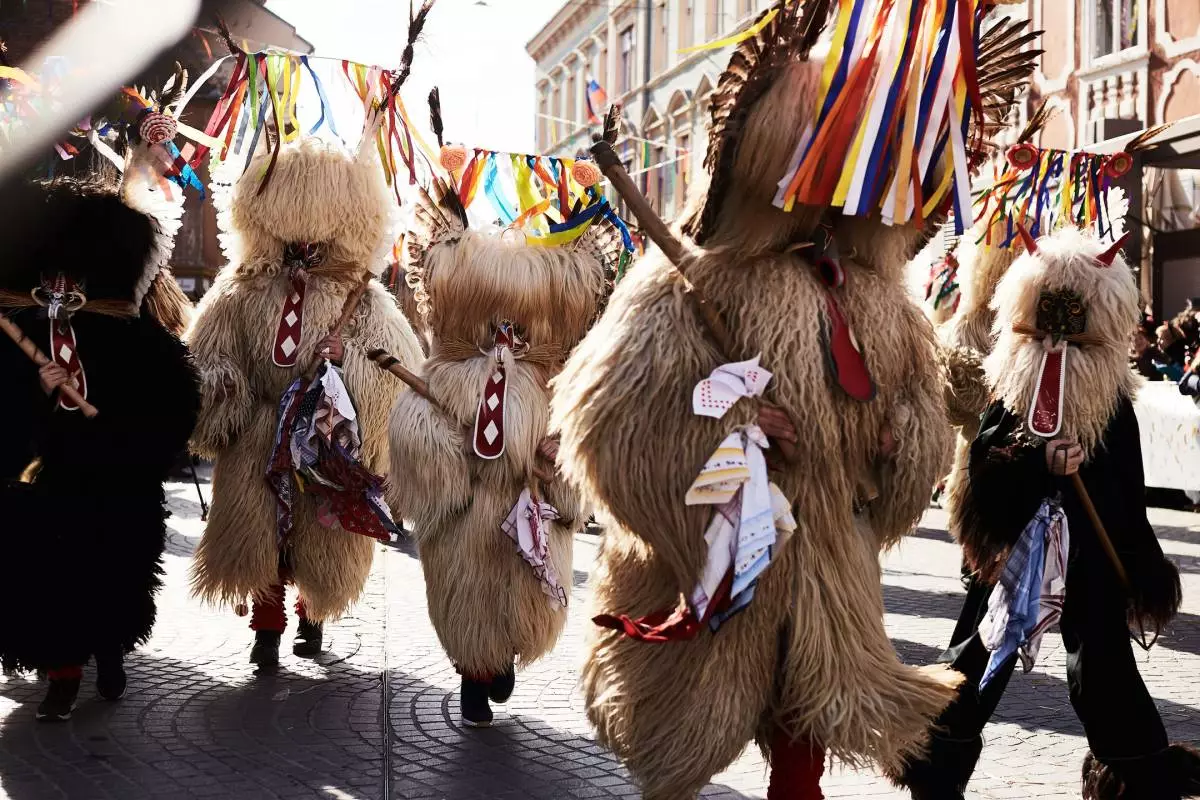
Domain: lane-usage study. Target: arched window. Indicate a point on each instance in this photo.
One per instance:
(676, 171)
(652, 150)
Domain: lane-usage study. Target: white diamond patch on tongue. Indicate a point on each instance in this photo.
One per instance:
(65, 351)
(291, 326)
(489, 419)
(488, 436)
(1046, 410)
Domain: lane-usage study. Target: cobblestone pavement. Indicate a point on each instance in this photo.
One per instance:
(376, 717)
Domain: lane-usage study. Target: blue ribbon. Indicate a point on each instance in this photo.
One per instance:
(491, 187)
(325, 108)
(186, 176)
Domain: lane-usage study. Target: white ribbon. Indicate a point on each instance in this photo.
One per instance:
(727, 384)
(525, 526)
(750, 515)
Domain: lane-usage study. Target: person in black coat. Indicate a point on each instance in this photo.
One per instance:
(1062, 405)
(82, 516)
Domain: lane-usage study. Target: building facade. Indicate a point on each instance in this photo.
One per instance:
(631, 48)
(1110, 69)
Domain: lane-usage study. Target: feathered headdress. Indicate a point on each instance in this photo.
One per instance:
(884, 106)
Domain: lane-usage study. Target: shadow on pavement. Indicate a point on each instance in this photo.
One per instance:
(184, 732)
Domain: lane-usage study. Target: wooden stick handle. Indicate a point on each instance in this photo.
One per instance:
(348, 309)
(610, 164)
(1101, 533)
(389, 363)
(38, 357)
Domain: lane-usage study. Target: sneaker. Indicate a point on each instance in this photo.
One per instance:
(502, 685)
(308, 642)
(110, 675)
(266, 650)
(473, 699)
(60, 700)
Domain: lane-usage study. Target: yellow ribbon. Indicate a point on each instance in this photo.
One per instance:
(20, 76)
(560, 238)
(737, 38)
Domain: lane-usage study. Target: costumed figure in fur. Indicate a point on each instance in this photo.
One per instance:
(474, 469)
(1062, 409)
(702, 649)
(984, 255)
(81, 496)
(299, 248)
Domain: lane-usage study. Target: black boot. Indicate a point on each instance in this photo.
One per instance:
(944, 773)
(110, 674)
(309, 636)
(60, 700)
(473, 701)
(266, 650)
(1170, 774)
(1183, 765)
(502, 685)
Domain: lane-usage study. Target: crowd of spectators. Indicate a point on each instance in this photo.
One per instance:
(1168, 350)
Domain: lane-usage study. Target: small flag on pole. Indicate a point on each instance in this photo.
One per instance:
(597, 101)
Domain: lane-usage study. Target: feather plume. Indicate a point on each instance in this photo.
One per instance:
(1005, 66)
(435, 115)
(612, 123)
(173, 90)
(755, 65)
(416, 24)
(438, 218)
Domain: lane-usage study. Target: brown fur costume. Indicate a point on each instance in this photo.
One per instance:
(316, 194)
(966, 339)
(623, 404)
(809, 655)
(485, 601)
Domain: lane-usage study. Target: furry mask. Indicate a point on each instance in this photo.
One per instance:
(318, 192)
(81, 230)
(1064, 312)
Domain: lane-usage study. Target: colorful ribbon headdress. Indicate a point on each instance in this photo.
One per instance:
(901, 110)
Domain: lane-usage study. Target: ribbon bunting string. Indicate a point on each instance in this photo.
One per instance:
(1046, 188)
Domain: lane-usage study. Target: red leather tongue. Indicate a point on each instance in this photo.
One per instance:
(1045, 417)
(64, 351)
(291, 326)
(488, 435)
(845, 359)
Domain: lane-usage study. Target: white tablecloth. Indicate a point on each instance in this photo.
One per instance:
(1170, 427)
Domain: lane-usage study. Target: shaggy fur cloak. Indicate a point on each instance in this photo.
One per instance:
(81, 546)
(316, 194)
(810, 653)
(485, 601)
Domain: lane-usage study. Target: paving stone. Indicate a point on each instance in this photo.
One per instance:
(376, 718)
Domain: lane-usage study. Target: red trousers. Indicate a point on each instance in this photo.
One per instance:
(796, 769)
(267, 612)
(66, 673)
